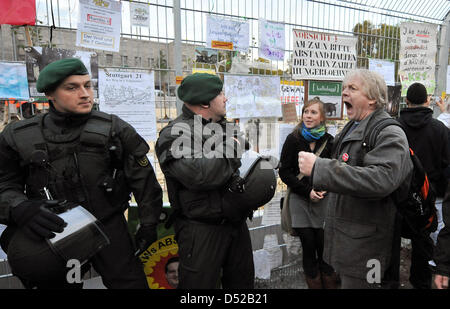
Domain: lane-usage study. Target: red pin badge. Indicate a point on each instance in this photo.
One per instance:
(345, 157)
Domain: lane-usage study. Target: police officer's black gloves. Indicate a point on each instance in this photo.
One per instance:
(37, 221)
(145, 235)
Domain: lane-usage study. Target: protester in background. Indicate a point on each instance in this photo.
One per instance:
(428, 138)
(213, 248)
(442, 250)
(444, 116)
(75, 156)
(360, 215)
(307, 206)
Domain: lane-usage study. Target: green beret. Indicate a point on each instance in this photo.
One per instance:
(54, 73)
(200, 88)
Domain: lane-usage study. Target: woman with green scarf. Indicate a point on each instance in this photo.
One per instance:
(307, 206)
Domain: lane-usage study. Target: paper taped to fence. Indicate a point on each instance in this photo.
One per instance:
(137, 107)
(384, 68)
(252, 96)
(271, 40)
(13, 81)
(418, 47)
(99, 24)
(323, 56)
(226, 31)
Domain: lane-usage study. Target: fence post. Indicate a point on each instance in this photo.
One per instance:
(177, 46)
(444, 40)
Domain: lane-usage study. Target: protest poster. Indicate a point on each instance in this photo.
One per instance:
(157, 261)
(329, 92)
(13, 81)
(252, 96)
(448, 79)
(139, 14)
(160, 260)
(99, 24)
(131, 96)
(37, 58)
(384, 68)
(289, 112)
(229, 34)
(206, 55)
(271, 40)
(418, 47)
(292, 92)
(322, 56)
(394, 98)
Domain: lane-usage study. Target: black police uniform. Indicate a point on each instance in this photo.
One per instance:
(209, 243)
(96, 161)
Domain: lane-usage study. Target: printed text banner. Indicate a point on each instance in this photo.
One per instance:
(418, 47)
(322, 56)
(99, 24)
(139, 14)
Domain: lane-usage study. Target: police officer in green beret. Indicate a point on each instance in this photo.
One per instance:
(200, 159)
(82, 157)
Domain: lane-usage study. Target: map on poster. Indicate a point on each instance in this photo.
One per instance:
(131, 96)
(252, 96)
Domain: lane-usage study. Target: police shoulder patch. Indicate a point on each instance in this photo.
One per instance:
(143, 161)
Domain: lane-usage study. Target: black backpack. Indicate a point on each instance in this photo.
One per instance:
(415, 198)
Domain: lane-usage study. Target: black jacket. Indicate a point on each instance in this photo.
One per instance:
(63, 135)
(289, 170)
(442, 250)
(428, 138)
(195, 181)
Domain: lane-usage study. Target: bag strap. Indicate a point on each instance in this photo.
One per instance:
(371, 136)
(318, 153)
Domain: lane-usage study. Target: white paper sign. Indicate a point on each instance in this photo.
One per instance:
(384, 68)
(228, 31)
(139, 14)
(99, 24)
(323, 56)
(448, 79)
(131, 96)
(418, 47)
(253, 96)
(13, 81)
(271, 40)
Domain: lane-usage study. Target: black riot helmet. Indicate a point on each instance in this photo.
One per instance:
(254, 187)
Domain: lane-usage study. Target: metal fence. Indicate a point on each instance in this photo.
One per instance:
(178, 26)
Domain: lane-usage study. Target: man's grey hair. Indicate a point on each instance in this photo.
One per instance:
(373, 85)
